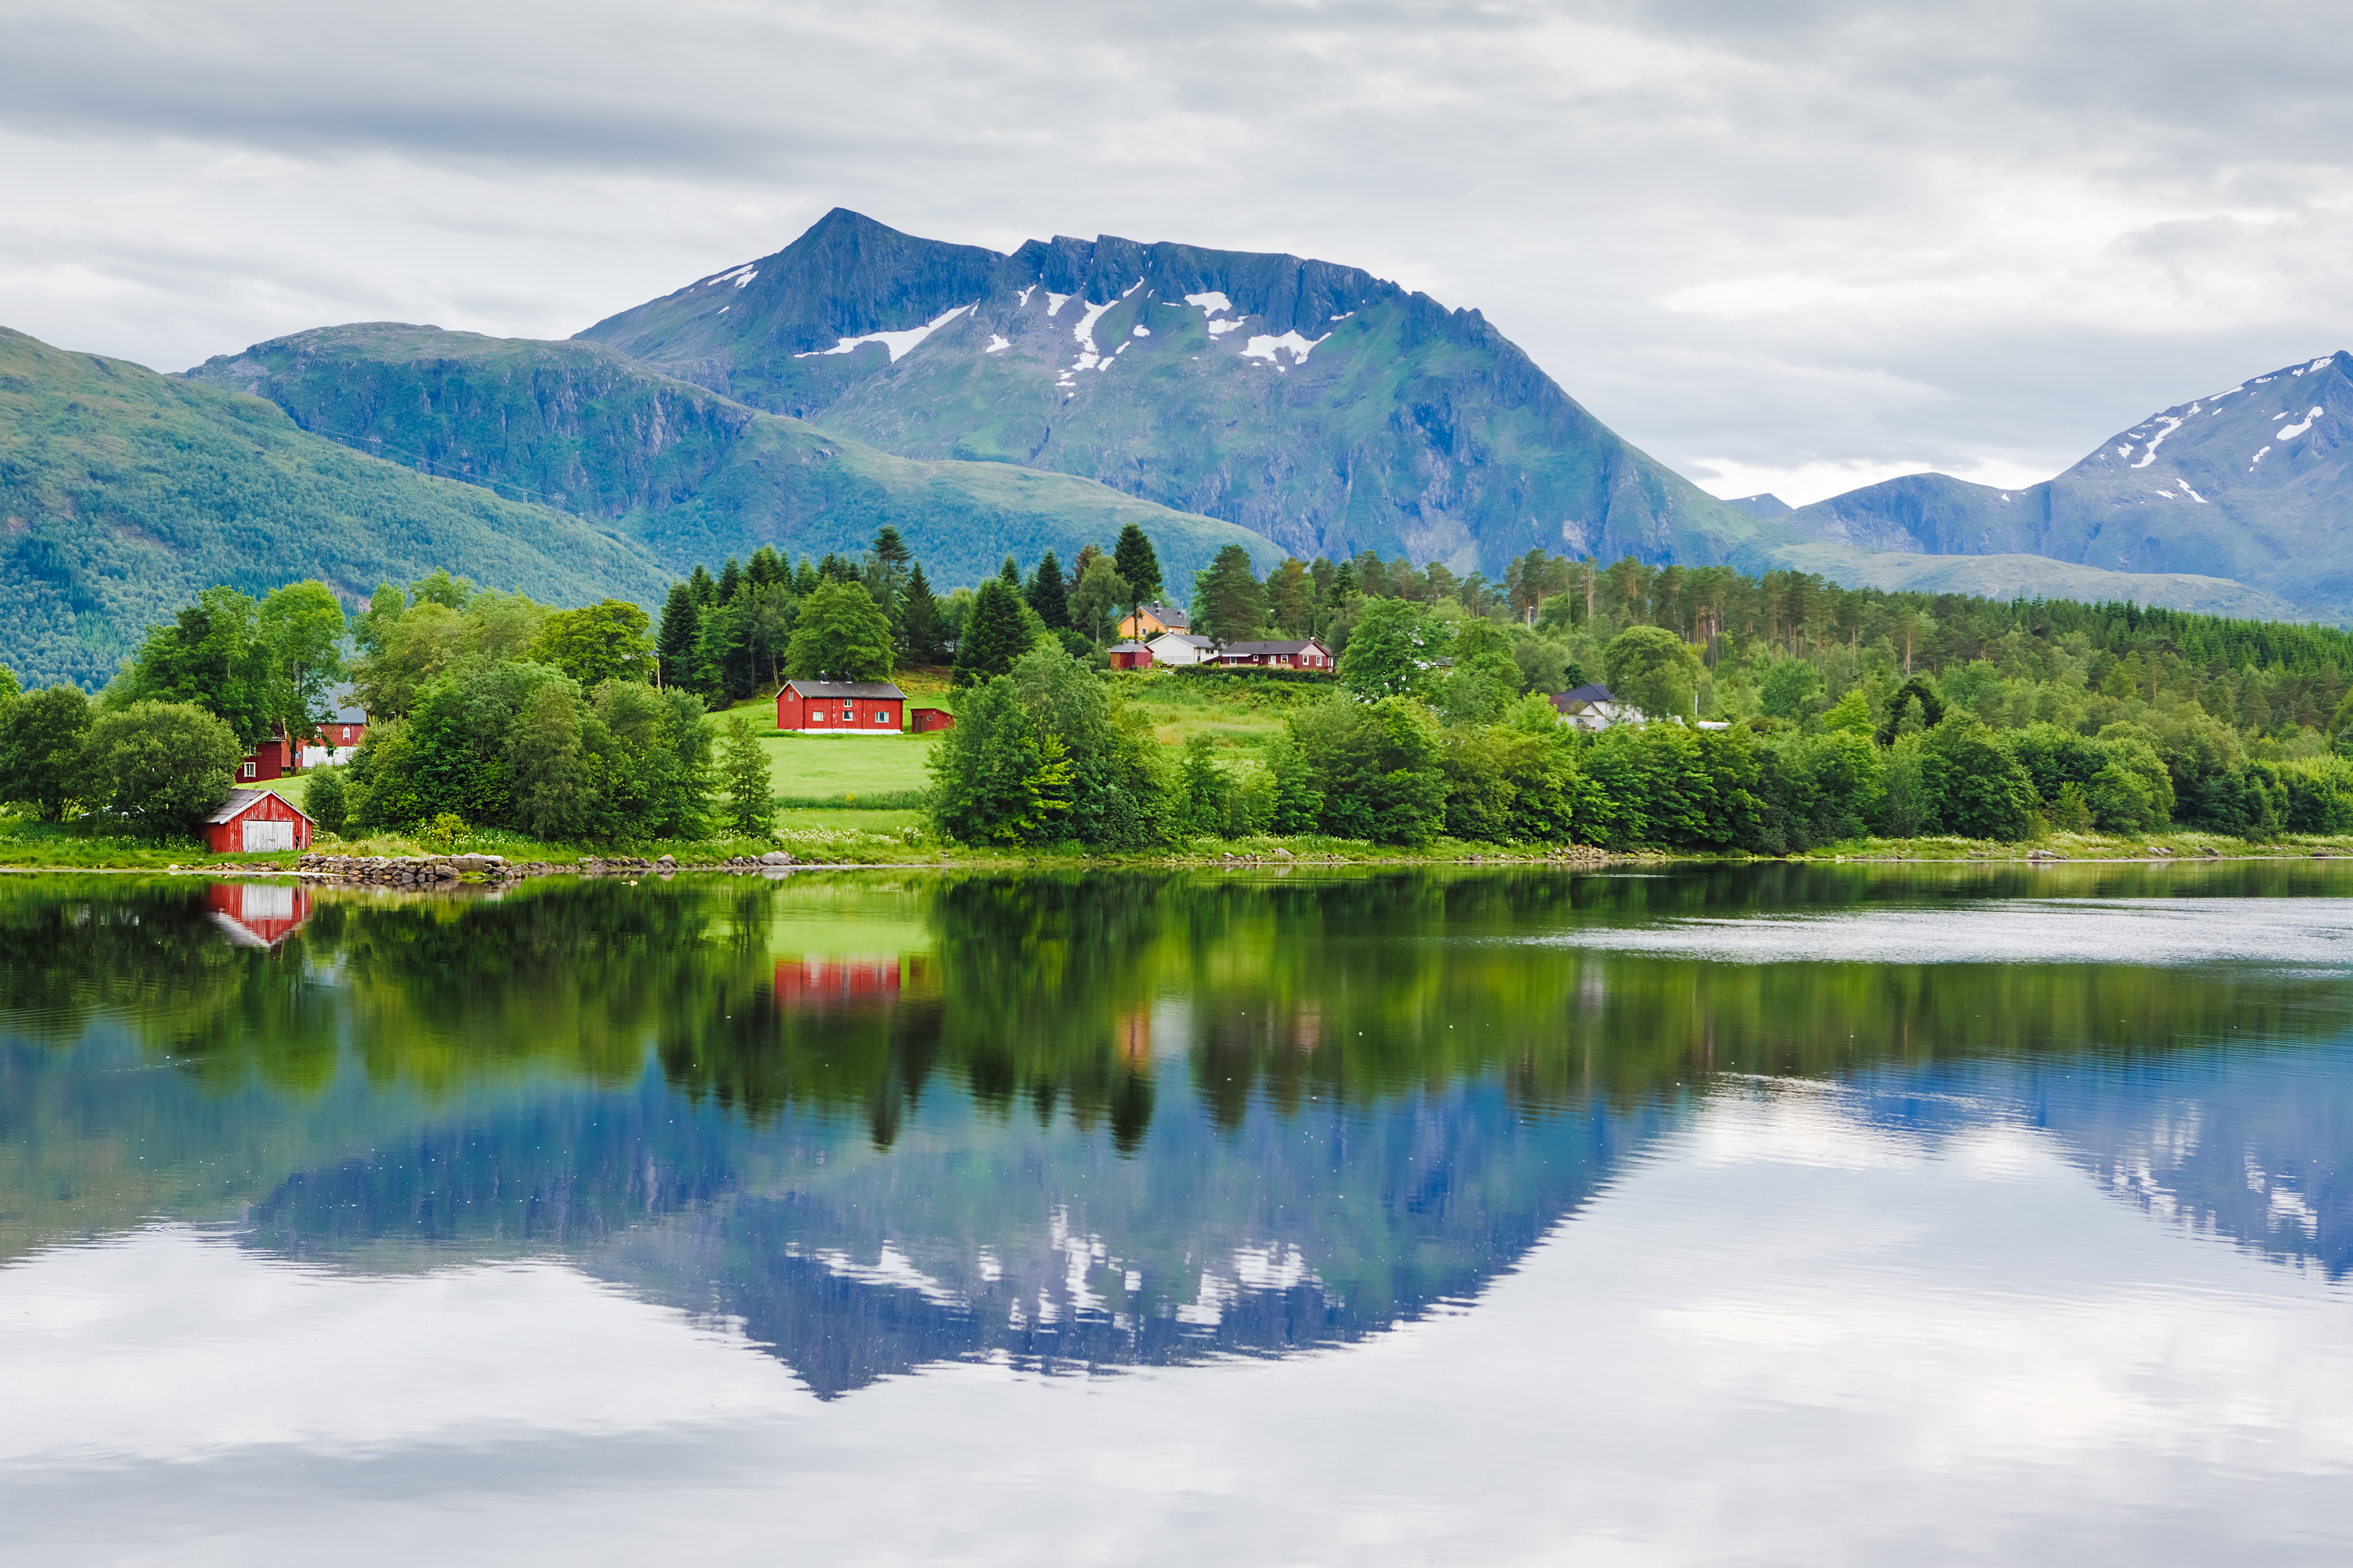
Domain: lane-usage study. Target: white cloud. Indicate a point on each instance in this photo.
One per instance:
(2055, 225)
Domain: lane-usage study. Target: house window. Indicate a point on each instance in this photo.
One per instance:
(249, 769)
(847, 715)
(816, 715)
(881, 716)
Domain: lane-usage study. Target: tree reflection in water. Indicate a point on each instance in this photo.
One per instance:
(888, 1119)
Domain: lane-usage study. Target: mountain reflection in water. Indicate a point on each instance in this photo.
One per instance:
(887, 1120)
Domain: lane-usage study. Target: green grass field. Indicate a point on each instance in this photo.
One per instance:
(832, 767)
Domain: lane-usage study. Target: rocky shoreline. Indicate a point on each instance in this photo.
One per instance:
(449, 870)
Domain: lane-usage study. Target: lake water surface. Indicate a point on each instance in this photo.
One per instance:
(1815, 1215)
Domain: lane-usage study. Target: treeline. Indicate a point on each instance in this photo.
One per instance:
(1763, 729)
(158, 751)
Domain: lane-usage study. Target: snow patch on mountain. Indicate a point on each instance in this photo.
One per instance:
(898, 343)
(1263, 347)
(2290, 432)
(2171, 425)
(998, 343)
(1054, 302)
(1212, 303)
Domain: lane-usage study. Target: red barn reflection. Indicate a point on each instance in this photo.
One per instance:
(823, 984)
(259, 915)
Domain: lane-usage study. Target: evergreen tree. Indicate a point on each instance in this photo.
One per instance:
(750, 795)
(1140, 565)
(768, 568)
(705, 591)
(834, 569)
(805, 579)
(1290, 598)
(886, 570)
(921, 636)
(1228, 605)
(1010, 573)
(996, 634)
(731, 580)
(681, 628)
(1049, 595)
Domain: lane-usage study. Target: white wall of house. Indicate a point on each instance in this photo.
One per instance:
(1177, 648)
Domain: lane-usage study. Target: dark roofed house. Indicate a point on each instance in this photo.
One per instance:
(335, 740)
(1307, 653)
(841, 708)
(1589, 708)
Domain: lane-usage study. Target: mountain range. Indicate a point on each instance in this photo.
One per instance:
(988, 403)
(2248, 484)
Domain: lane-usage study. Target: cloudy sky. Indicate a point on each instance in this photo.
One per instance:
(1796, 246)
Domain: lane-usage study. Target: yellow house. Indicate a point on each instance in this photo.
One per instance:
(1150, 621)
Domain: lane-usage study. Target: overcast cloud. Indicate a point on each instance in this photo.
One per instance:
(1781, 246)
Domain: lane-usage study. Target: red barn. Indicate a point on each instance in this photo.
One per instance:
(841, 708)
(256, 819)
(273, 759)
(1130, 656)
(923, 720)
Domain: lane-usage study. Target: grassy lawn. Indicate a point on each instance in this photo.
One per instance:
(831, 768)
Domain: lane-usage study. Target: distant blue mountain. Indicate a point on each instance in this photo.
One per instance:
(2252, 483)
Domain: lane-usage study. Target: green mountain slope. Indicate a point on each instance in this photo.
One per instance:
(686, 473)
(2253, 483)
(123, 493)
(1315, 403)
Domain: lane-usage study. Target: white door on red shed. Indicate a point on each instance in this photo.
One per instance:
(262, 835)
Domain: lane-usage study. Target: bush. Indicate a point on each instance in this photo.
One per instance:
(161, 767)
(325, 802)
(1380, 766)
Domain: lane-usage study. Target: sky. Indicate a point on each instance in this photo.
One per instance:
(1794, 248)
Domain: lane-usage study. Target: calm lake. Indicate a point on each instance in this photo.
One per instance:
(1778, 1214)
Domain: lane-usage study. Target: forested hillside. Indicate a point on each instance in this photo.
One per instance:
(124, 492)
(689, 474)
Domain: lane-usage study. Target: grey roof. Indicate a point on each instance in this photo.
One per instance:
(1129, 648)
(882, 688)
(242, 800)
(1300, 646)
(1185, 637)
(1168, 615)
(1585, 694)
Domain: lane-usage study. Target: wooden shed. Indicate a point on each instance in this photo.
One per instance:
(841, 708)
(1130, 656)
(923, 720)
(256, 819)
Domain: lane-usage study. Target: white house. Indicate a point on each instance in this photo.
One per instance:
(1181, 647)
(1592, 707)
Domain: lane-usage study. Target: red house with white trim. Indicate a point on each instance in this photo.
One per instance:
(256, 819)
(841, 708)
(273, 759)
(1307, 653)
